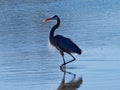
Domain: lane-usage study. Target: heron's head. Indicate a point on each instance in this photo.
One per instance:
(52, 18)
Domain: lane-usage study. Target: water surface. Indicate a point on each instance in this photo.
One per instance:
(26, 63)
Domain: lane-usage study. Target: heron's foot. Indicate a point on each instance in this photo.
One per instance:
(63, 67)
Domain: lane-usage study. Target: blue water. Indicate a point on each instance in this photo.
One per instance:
(27, 63)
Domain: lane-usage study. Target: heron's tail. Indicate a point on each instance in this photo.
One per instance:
(79, 51)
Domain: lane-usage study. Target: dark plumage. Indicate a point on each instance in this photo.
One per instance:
(62, 43)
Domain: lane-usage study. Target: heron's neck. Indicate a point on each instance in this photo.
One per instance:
(54, 28)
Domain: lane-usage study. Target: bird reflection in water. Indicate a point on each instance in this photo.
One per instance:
(73, 84)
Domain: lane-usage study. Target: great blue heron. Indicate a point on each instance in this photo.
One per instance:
(62, 43)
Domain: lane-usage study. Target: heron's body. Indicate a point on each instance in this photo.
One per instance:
(62, 43)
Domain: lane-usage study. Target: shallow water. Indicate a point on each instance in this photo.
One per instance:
(26, 62)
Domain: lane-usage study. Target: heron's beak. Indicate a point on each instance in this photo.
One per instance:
(48, 19)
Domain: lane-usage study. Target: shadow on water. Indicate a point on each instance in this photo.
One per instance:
(73, 84)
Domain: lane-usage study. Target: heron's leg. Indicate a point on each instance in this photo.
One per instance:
(62, 54)
(71, 60)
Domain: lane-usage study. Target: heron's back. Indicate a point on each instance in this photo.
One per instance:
(67, 45)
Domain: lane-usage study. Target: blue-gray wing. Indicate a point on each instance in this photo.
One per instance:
(66, 45)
